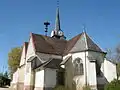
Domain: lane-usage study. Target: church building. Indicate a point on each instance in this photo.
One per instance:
(48, 61)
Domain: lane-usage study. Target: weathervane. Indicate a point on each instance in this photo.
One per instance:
(84, 28)
(46, 23)
(58, 2)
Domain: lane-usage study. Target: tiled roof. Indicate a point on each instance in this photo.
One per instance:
(49, 45)
(81, 42)
(91, 45)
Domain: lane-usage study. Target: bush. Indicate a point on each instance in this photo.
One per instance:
(4, 80)
(113, 85)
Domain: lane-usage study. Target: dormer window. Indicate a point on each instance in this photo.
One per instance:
(78, 67)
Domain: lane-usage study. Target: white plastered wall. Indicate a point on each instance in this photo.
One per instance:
(30, 50)
(15, 77)
(21, 74)
(22, 61)
(28, 75)
(89, 76)
(109, 70)
(39, 79)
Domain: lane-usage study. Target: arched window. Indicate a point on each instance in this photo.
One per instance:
(78, 67)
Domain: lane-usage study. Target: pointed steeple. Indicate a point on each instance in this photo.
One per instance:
(57, 21)
(57, 32)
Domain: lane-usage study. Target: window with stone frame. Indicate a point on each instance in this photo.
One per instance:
(78, 67)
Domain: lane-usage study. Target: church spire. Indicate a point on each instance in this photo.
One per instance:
(57, 21)
(57, 32)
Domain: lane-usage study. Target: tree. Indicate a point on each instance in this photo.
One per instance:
(14, 59)
(4, 80)
(109, 55)
(117, 56)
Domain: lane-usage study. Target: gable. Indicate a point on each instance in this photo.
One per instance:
(30, 50)
(24, 52)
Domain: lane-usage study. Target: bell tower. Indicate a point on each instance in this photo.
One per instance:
(57, 32)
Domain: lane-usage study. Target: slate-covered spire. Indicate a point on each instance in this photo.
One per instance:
(57, 32)
(57, 21)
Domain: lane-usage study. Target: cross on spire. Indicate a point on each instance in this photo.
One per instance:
(84, 28)
(57, 32)
(57, 3)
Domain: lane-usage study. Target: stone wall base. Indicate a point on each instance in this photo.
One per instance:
(93, 87)
(28, 87)
(20, 86)
(43, 88)
(38, 88)
(17, 86)
(14, 86)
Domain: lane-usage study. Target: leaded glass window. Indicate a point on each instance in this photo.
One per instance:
(78, 67)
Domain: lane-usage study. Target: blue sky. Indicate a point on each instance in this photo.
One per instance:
(20, 17)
